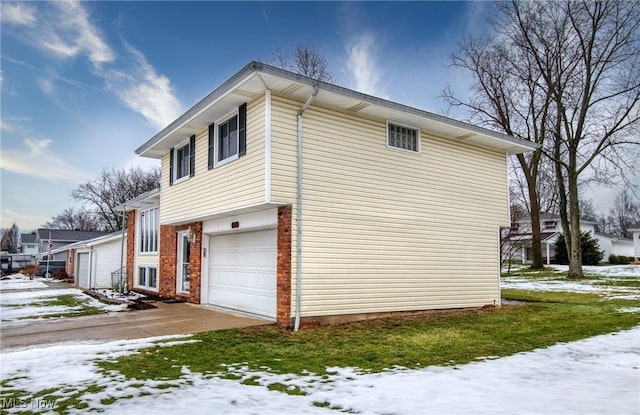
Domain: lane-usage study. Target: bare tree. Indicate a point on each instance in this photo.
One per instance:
(624, 213)
(305, 60)
(507, 96)
(566, 75)
(589, 56)
(112, 188)
(72, 219)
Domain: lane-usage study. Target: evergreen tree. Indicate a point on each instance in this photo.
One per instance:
(591, 253)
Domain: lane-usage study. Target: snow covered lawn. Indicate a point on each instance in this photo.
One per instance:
(50, 303)
(612, 282)
(596, 375)
(22, 282)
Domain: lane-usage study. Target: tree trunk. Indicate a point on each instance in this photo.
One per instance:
(536, 237)
(575, 254)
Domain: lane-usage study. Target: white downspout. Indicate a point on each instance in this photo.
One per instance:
(296, 325)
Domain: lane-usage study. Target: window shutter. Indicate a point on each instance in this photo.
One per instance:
(192, 156)
(242, 130)
(212, 131)
(171, 166)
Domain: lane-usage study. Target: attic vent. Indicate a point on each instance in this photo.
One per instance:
(243, 93)
(292, 89)
(358, 107)
(465, 136)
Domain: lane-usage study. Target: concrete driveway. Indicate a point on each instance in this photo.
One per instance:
(166, 319)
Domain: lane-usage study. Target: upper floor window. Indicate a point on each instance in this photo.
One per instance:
(403, 137)
(549, 224)
(149, 230)
(228, 139)
(182, 161)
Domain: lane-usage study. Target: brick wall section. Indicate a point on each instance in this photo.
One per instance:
(131, 247)
(71, 255)
(168, 262)
(283, 288)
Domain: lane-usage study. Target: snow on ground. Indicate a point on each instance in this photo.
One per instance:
(606, 274)
(606, 270)
(596, 375)
(32, 304)
(20, 282)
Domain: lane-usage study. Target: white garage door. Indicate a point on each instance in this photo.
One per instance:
(242, 272)
(83, 270)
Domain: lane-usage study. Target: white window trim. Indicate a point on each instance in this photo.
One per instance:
(216, 141)
(180, 263)
(157, 232)
(418, 138)
(174, 173)
(137, 278)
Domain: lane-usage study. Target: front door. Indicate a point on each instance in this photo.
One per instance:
(184, 267)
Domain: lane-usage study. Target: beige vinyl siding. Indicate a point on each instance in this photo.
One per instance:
(385, 229)
(232, 185)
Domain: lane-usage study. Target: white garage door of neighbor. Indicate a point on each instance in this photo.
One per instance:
(83, 270)
(242, 271)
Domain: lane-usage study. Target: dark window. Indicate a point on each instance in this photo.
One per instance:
(228, 138)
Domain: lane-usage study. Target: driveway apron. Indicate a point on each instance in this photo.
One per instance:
(166, 319)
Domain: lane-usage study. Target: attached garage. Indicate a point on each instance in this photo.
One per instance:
(242, 272)
(96, 260)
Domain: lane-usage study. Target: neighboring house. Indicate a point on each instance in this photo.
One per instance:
(635, 230)
(614, 245)
(58, 238)
(551, 229)
(386, 208)
(96, 262)
(28, 244)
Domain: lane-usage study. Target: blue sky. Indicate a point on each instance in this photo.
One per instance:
(84, 84)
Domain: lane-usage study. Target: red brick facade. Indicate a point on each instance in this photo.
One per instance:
(131, 247)
(168, 260)
(283, 281)
(71, 255)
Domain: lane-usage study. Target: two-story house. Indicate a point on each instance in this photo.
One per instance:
(551, 229)
(301, 201)
(28, 244)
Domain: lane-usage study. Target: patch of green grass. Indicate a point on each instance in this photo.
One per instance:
(627, 282)
(78, 307)
(546, 273)
(291, 390)
(441, 338)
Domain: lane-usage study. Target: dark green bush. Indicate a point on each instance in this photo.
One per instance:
(624, 260)
(591, 254)
(613, 259)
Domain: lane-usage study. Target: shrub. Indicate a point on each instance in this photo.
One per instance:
(613, 259)
(60, 275)
(624, 260)
(29, 270)
(591, 254)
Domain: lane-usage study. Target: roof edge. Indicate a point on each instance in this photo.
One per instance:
(254, 67)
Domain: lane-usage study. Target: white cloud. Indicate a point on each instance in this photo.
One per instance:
(18, 13)
(26, 221)
(73, 23)
(65, 30)
(36, 159)
(362, 65)
(141, 89)
(46, 85)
